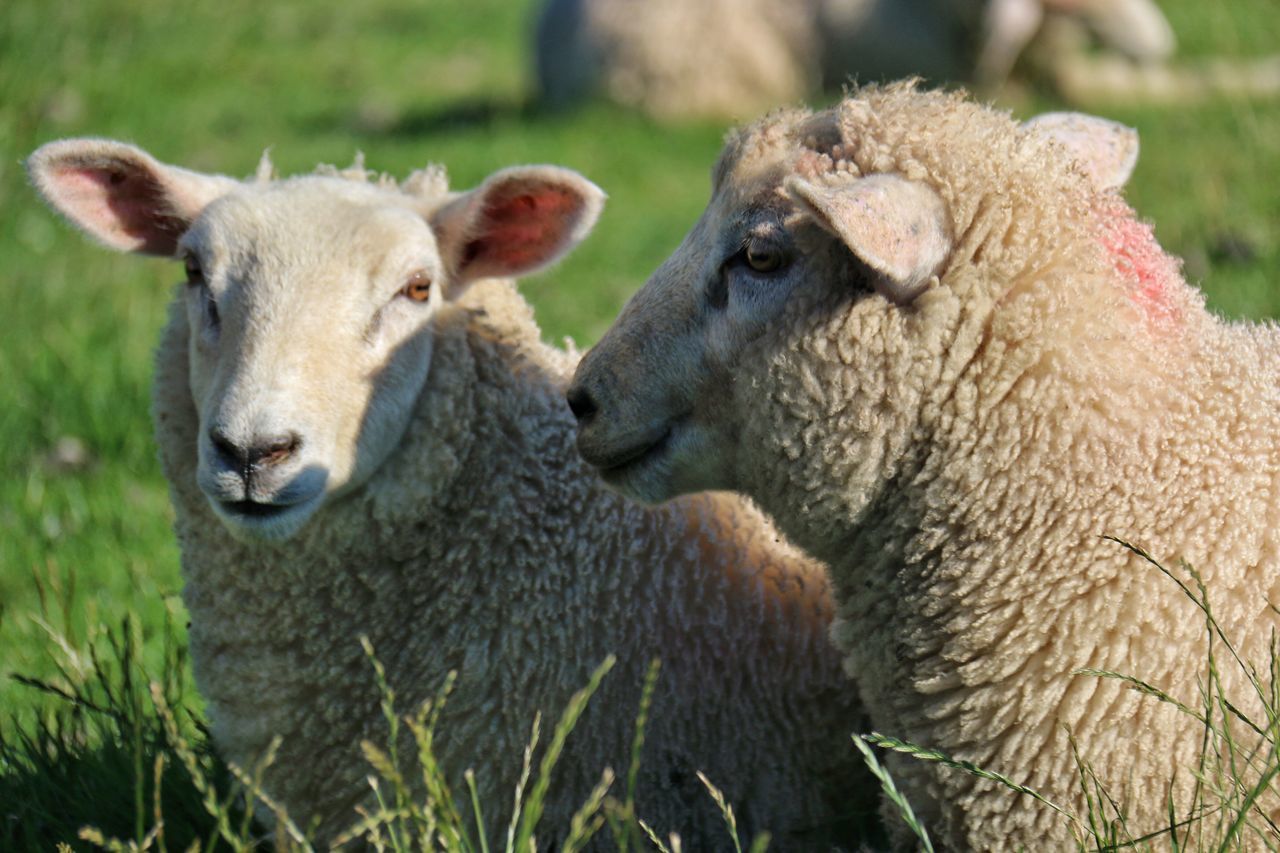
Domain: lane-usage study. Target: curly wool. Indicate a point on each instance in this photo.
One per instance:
(958, 462)
(482, 545)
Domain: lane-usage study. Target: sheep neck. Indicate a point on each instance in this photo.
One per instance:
(976, 581)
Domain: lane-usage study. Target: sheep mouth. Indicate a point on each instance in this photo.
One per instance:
(619, 464)
(253, 509)
(250, 520)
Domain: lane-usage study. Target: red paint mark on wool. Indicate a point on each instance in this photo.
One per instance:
(1152, 276)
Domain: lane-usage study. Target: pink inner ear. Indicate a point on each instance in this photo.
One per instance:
(123, 205)
(522, 230)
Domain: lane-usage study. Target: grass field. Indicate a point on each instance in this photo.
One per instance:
(84, 518)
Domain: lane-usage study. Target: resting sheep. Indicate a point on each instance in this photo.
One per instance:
(681, 59)
(940, 350)
(364, 435)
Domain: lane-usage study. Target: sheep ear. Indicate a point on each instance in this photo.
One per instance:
(1106, 150)
(519, 220)
(121, 195)
(897, 227)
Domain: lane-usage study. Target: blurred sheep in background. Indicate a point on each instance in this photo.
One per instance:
(727, 59)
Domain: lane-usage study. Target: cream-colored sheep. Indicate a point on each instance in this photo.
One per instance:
(726, 59)
(364, 436)
(678, 59)
(947, 358)
(1134, 29)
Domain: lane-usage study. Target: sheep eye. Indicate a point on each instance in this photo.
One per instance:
(211, 311)
(196, 281)
(417, 288)
(195, 275)
(764, 258)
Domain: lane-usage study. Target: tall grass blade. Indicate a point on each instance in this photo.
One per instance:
(653, 837)
(1231, 837)
(525, 769)
(726, 810)
(894, 796)
(470, 777)
(537, 796)
(937, 757)
(586, 822)
(623, 825)
(1142, 687)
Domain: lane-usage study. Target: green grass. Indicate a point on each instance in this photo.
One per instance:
(122, 763)
(209, 85)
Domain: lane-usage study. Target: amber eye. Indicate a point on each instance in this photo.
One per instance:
(195, 275)
(763, 257)
(418, 287)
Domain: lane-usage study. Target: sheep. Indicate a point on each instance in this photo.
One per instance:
(1134, 29)
(946, 357)
(365, 436)
(674, 59)
(725, 59)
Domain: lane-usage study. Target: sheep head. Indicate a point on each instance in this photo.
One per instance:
(309, 301)
(850, 238)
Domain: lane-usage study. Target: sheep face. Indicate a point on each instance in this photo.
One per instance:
(667, 398)
(819, 258)
(309, 341)
(309, 302)
(651, 395)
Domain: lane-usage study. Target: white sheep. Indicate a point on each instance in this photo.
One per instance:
(947, 358)
(677, 59)
(1135, 29)
(680, 59)
(364, 435)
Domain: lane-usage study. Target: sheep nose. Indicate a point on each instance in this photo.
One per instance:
(581, 403)
(229, 453)
(264, 452)
(273, 451)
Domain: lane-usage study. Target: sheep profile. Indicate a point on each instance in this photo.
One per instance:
(939, 349)
(364, 435)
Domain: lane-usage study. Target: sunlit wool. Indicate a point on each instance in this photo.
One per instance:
(957, 455)
(473, 539)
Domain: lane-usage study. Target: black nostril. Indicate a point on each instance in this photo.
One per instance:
(273, 451)
(226, 448)
(580, 403)
(267, 451)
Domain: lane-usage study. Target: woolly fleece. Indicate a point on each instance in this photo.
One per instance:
(957, 460)
(483, 545)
